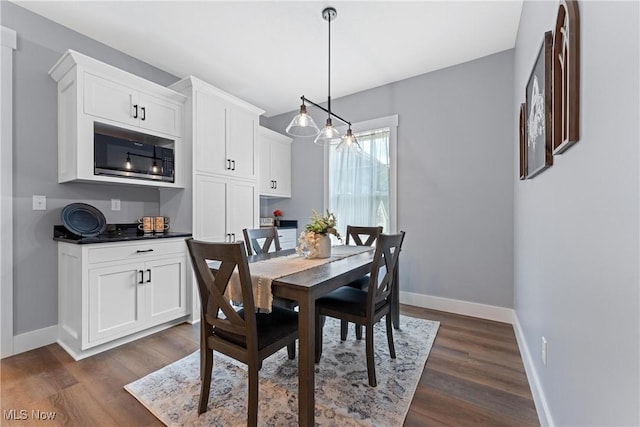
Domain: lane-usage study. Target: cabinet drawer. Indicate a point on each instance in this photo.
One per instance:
(133, 251)
(288, 237)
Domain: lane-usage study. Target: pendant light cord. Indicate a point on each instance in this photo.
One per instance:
(329, 72)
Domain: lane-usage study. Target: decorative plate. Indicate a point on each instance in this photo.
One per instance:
(83, 219)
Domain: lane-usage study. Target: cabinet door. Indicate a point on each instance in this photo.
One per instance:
(116, 305)
(242, 207)
(280, 157)
(210, 209)
(110, 100)
(209, 151)
(160, 115)
(241, 142)
(165, 289)
(266, 181)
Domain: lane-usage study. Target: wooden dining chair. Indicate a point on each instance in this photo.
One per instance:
(361, 236)
(253, 235)
(243, 334)
(366, 307)
(270, 235)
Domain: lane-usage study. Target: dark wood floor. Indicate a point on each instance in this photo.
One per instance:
(474, 376)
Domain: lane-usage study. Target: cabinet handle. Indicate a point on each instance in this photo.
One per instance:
(144, 114)
(234, 165)
(135, 114)
(228, 164)
(275, 183)
(146, 250)
(141, 277)
(234, 237)
(149, 271)
(228, 237)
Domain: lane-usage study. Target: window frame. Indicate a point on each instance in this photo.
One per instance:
(390, 122)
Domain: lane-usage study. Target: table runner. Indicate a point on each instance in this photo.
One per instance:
(264, 272)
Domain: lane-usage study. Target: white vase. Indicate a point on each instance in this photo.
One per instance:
(324, 246)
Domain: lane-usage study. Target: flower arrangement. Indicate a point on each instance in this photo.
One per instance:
(277, 213)
(315, 232)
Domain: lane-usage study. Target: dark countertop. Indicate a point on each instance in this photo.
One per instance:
(114, 233)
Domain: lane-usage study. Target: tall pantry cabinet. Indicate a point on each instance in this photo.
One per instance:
(222, 196)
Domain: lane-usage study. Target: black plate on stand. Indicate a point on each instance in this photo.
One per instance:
(83, 219)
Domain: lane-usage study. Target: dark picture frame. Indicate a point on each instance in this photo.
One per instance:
(566, 77)
(538, 103)
(523, 141)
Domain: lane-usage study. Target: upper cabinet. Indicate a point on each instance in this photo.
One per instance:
(224, 130)
(275, 163)
(97, 98)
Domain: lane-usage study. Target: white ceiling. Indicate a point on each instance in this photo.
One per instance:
(270, 53)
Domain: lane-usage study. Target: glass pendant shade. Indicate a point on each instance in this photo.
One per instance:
(349, 142)
(328, 135)
(303, 124)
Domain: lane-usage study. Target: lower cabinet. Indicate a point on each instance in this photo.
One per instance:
(111, 293)
(288, 238)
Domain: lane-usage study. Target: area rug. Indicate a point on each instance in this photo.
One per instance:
(343, 396)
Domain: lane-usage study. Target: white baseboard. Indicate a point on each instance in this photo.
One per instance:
(465, 308)
(542, 407)
(35, 339)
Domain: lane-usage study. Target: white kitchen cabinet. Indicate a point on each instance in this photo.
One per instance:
(223, 208)
(112, 293)
(288, 238)
(91, 95)
(120, 103)
(275, 163)
(224, 129)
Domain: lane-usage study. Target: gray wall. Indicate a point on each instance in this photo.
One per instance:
(40, 44)
(455, 170)
(577, 235)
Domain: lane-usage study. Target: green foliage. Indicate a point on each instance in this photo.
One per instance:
(322, 224)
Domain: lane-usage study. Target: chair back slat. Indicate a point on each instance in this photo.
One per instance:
(383, 268)
(212, 285)
(357, 233)
(269, 234)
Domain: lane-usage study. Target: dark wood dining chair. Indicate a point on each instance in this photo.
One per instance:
(270, 235)
(253, 235)
(366, 307)
(244, 335)
(361, 236)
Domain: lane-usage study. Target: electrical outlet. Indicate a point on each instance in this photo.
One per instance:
(115, 204)
(544, 351)
(39, 203)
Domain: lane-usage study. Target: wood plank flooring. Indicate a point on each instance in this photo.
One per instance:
(474, 377)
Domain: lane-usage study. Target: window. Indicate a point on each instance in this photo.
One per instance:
(360, 187)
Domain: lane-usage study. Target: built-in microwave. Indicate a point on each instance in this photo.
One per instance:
(132, 155)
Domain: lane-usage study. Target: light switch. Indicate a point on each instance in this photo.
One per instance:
(39, 203)
(115, 204)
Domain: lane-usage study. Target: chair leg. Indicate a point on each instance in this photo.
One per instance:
(319, 329)
(205, 383)
(392, 348)
(291, 350)
(344, 328)
(371, 368)
(358, 332)
(252, 403)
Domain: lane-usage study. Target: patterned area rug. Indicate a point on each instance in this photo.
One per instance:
(343, 396)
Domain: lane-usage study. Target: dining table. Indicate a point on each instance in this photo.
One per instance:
(305, 287)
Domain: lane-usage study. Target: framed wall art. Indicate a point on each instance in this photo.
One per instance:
(566, 76)
(523, 141)
(539, 155)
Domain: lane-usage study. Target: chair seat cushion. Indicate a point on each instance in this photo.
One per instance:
(347, 300)
(361, 283)
(271, 327)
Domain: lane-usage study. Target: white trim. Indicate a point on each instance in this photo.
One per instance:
(35, 339)
(390, 122)
(465, 308)
(8, 44)
(542, 407)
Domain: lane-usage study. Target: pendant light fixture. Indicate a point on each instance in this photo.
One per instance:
(303, 124)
